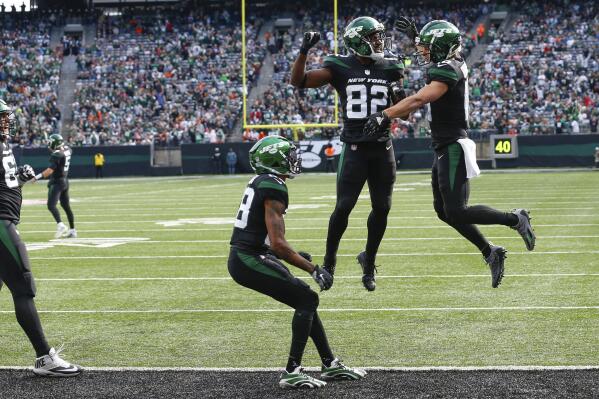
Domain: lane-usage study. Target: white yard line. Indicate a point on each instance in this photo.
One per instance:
(317, 369)
(143, 230)
(358, 239)
(207, 213)
(329, 310)
(223, 256)
(289, 218)
(423, 276)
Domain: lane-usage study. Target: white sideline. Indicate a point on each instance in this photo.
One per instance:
(309, 278)
(340, 255)
(331, 310)
(316, 369)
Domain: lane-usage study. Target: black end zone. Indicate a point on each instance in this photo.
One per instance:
(260, 385)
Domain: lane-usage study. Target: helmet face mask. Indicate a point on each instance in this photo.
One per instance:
(276, 155)
(438, 41)
(365, 37)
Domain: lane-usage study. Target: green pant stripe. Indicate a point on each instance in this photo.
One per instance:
(341, 158)
(251, 262)
(454, 150)
(5, 239)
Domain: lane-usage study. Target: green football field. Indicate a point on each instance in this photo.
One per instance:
(146, 282)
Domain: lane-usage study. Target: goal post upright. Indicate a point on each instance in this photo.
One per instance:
(293, 126)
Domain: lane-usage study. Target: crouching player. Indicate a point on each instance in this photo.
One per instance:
(258, 234)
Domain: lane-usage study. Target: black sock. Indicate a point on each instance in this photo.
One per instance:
(29, 320)
(67, 209)
(292, 364)
(337, 226)
(301, 326)
(319, 337)
(486, 251)
(482, 214)
(472, 234)
(377, 224)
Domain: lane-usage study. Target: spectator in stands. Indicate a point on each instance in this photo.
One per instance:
(231, 161)
(217, 161)
(596, 157)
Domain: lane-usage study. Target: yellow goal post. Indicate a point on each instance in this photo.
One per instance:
(293, 126)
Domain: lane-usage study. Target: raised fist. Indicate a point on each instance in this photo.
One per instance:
(310, 40)
(407, 26)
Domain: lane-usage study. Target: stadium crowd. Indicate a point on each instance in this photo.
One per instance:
(283, 104)
(30, 75)
(169, 77)
(172, 77)
(542, 75)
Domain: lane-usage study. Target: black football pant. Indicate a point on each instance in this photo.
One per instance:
(451, 190)
(267, 275)
(60, 191)
(15, 273)
(360, 163)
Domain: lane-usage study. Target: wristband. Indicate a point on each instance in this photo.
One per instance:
(39, 176)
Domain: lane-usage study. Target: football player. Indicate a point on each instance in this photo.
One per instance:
(15, 271)
(257, 244)
(366, 83)
(58, 185)
(438, 45)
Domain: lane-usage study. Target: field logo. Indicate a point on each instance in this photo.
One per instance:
(183, 222)
(84, 242)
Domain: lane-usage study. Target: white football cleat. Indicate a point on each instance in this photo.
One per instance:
(61, 229)
(52, 365)
(72, 233)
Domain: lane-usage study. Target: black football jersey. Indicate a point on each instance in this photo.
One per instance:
(250, 231)
(10, 191)
(60, 161)
(363, 90)
(448, 115)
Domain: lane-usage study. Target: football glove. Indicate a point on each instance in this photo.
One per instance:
(310, 40)
(377, 125)
(396, 92)
(25, 173)
(305, 255)
(407, 26)
(322, 278)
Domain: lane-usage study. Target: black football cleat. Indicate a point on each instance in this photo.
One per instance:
(368, 271)
(524, 228)
(496, 260)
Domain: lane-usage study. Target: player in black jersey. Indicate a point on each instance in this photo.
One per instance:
(257, 244)
(439, 44)
(15, 271)
(366, 83)
(58, 185)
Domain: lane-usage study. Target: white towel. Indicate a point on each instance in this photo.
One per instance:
(469, 148)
